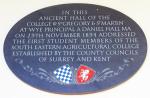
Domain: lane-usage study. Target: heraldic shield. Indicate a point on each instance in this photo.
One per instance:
(84, 74)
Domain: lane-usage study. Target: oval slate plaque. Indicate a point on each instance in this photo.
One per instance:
(75, 48)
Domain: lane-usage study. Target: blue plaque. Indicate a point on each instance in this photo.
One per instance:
(75, 48)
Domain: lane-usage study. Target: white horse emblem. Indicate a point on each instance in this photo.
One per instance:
(84, 74)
